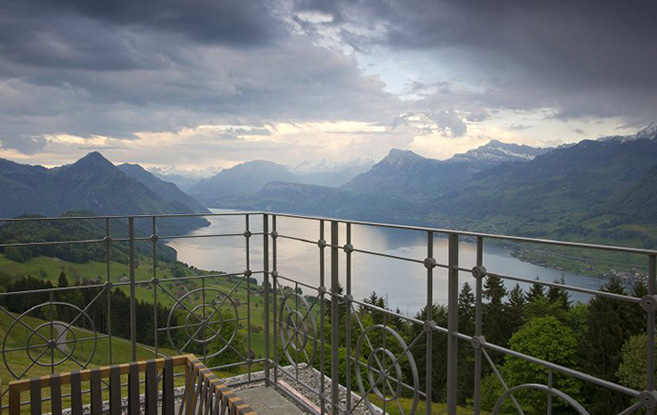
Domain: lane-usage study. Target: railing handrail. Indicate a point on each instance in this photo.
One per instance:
(511, 238)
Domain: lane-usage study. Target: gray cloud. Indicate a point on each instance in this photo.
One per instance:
(24, 144)
(115, 68)
(242, 23)
(588, 58)
(450, 122)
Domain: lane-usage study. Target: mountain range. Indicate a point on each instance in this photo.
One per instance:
(96, 185)
(596, 190)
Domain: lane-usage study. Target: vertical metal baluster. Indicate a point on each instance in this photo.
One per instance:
(133, 296)
(265, 268)
(650, 332)
(348, 316)
(154, 282)
(335, 318)
(478, 324)
(385, 379)
(203, 321)
(429, 323)
(275, 287)
(51, 317)
(549, 395)
(322, 295)
(295, 339)
(452, 322)
(247, 234)
(108, 245)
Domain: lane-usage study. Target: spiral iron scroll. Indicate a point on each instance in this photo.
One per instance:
(203, 322)
(384, 368)
(297, 329)
(52, 342)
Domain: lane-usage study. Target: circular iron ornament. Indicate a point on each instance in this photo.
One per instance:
(297, 329)
(203, 323)
(384, 368)
(537, 386)
(50, 343)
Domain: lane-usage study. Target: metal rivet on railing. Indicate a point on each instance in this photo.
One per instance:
(348, 248)
(247, 234)
(248, 273)
(274, 234)
(107, 240)
(322, 290)
(649, 399)
(479, 272)
(649, 303)
(478, 342)
(154, 281)
(154, 238)
(274, 274)
(430, 263)
(430, 325)
(348, 298)
(321, 243)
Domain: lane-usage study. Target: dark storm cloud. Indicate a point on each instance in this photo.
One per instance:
(233, 22)
(584, 58)
(114, 68)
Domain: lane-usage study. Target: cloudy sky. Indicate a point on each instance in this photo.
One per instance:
(205, 84)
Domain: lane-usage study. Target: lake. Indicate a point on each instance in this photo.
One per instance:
(402, 283)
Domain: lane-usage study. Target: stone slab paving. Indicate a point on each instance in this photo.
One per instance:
(267, 401)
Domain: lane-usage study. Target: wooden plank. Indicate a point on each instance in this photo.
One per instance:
(14, 400)
(151, 388)
(35, 397)
(65, 377)
(133, 389)
(95, 383)
(167, 387)
(55, 395)
(76, 394)
(115, 391)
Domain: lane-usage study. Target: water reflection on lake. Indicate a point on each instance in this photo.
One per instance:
(403, 283)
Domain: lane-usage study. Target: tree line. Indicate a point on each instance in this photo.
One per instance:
(75, 230)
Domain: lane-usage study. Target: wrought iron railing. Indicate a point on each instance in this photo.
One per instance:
(303, 324)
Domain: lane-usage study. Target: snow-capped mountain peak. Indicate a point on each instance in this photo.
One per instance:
(648, 133)
(497, 152)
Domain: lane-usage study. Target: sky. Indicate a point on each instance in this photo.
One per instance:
(194, 86)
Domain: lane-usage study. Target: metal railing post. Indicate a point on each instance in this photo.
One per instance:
(478, 327)
(335, 322)
(265, 267)
(429, 263)
(133, 295)
(650, 330)
(322, 313)
(452, 322)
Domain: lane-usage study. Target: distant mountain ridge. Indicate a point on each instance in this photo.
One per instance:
(93, 184)
(329, 174)
(182, 182)
(647, 133)
(242, 179)
(596, 190)
(406, 173)
(166, 190)
(498, 152)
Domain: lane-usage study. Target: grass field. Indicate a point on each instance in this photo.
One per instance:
(246, 296)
